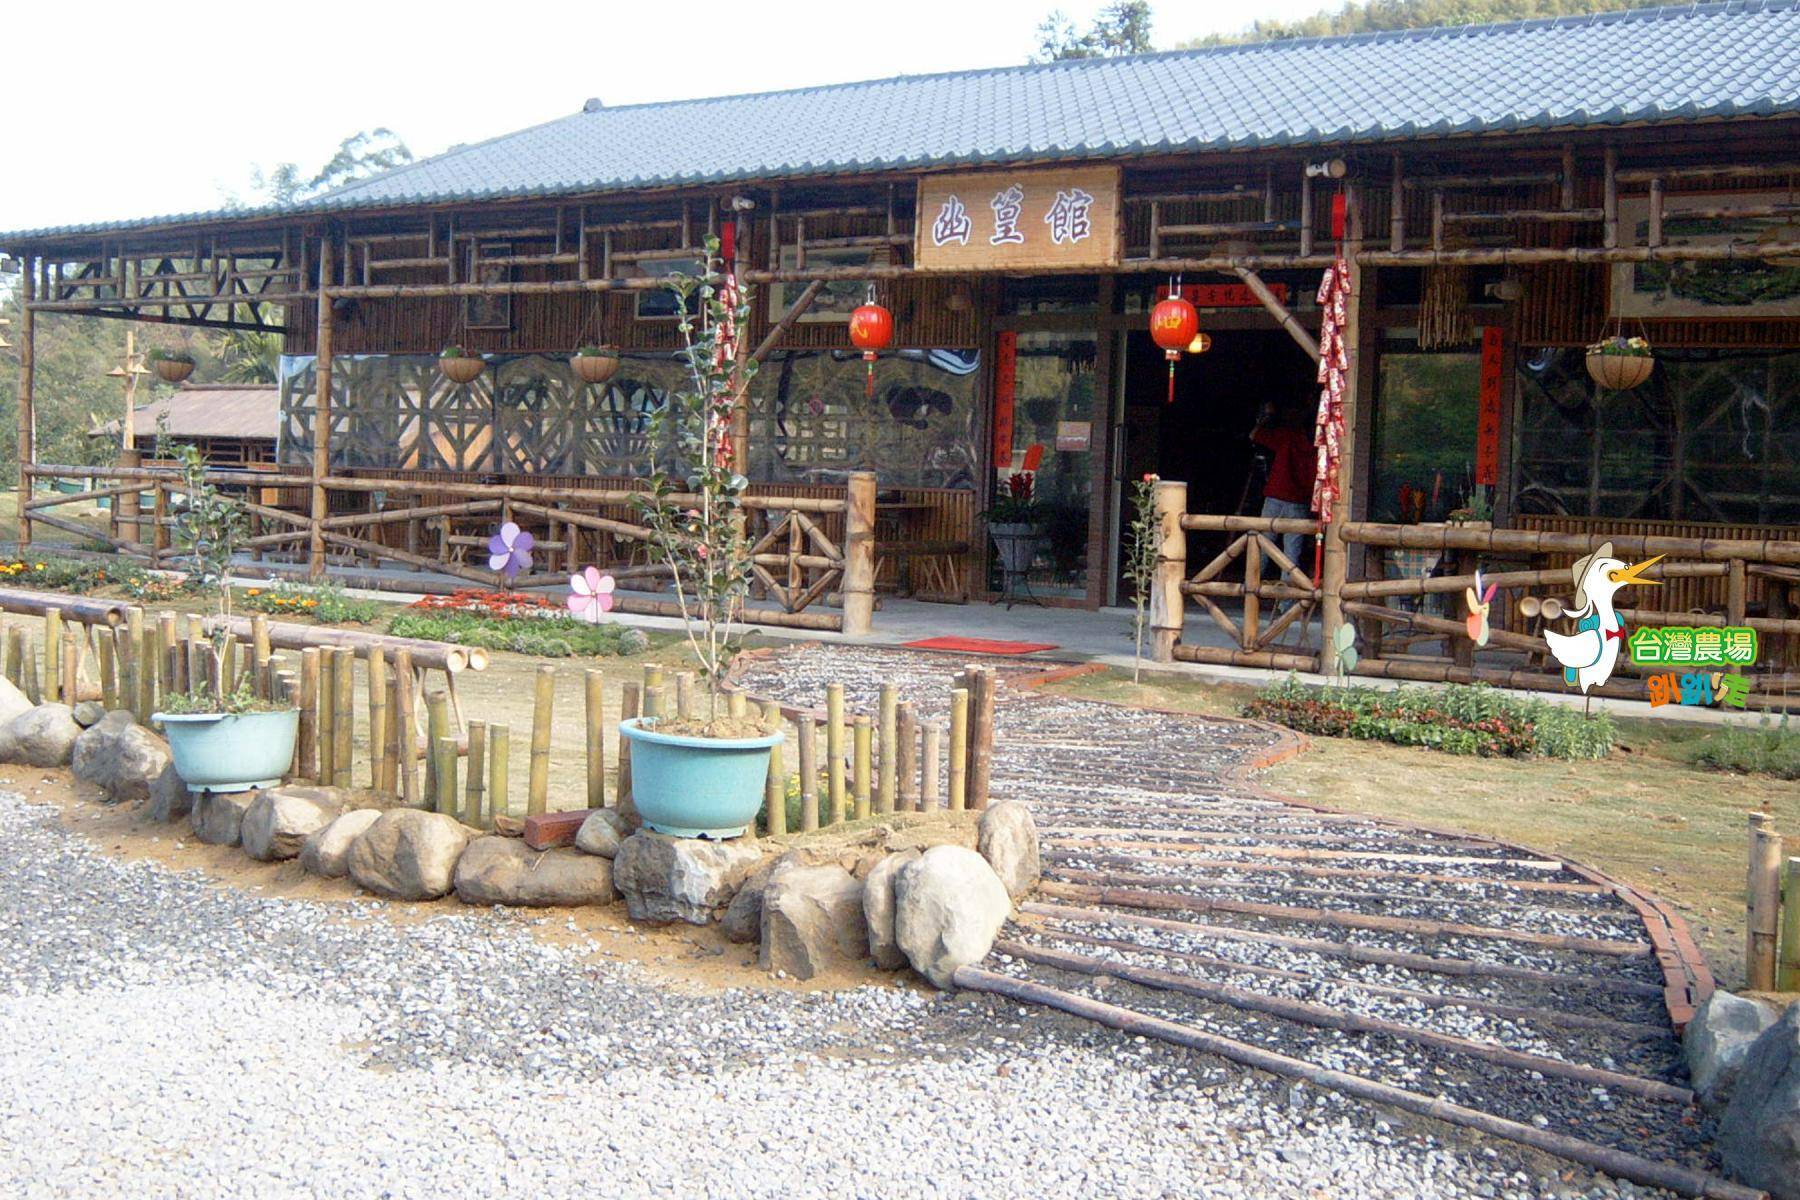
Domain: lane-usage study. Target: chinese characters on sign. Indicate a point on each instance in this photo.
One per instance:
(1727, 689)
(1487, 428)
(1730, 646)
(1004, 220)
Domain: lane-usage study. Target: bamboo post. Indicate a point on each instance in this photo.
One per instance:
(319, 506)
(104, 650)
(736, 704)
(443, 756)
(71, 669)
(959, 749)
(308, 749)
(170, 640)
(834, 749)
(684, 695)
(499, 785)
(406, 726)
(652, 697)
(653, 679)
(343, 716)
(390, 757)
(863, 736)
(1169, 504)
(197, 676)
(981, 737)
(1334, 558)
(887, 778)
(203, 659)
(437, 730)
(15, 656)
(476, 783)
(53, 624)
(33, 689)
(628, 710)
(1787, 969)
(596, 736)
(859, 553)
(260, 652)
(931, 751)
(539, 794)
(906, 757)
(775, 793)
(1763, 924)
(132, 654)
(1250, 628)
(27, 444)
(228, 664)
(809, 774)
(378, 715)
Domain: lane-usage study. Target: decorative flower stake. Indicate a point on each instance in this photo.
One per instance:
(509, 551)
(591, 594)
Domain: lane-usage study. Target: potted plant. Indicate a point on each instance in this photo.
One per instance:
(171, 366)
(458, 365)
(1620, 363)
(1015, 522)
(702, 777)
(594, 364)
(222, 737)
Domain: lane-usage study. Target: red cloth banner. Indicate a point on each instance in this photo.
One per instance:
(1487, 427)
(1221, 295)
(1006, 377)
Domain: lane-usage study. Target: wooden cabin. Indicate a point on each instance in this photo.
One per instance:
(232, 424)
(1501, 197)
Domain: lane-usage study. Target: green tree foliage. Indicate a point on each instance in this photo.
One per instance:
(1377, 15)
(1122, 27)
(250, 356)
(358, 156)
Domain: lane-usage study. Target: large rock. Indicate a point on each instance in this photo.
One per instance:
(120, 757)
(1007, 837)
(604, 831)
(878, 909)
(503, 870)
(812, 920)
(1717, 1040)
(13, 702)
(326, 852)
(742, 921)
(407, 854)
(1759, 1137)
(170, 799)
(948, 908)
(89, 713)
(40, 737)
(279, 821)
(666, 879)
(218, 817)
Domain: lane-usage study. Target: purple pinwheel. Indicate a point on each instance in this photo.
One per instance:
(591, 594)
(509, 551)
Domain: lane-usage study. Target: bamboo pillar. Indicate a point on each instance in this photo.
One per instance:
(71, 669)
(596, 737)
(27, 385)
(308, 749)
(628, 710)
(499, 788)
(378, 716)
(476, 784)
(406, 727)
(148, 660)
(260, 652)
(126, 505)
(437, 731)
(862, 736)
(1763, 917)
(15, 656)
(52, 672)
(1168, 499)
(834, 750)
(170, 639)
(538, 794)
(343, 716)
(906, 757)
(887, 778)
(809, 774)
(959, 748)
(1787, 969)
(859, 553)
(1334, 555)
(981, 736)
(1251, 627)
(930, 753)
(131, 666)
(321, 449)
(109, 671)
(443, 757)
(775, 792)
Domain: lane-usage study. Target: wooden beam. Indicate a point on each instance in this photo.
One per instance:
(1279, 311)
(793, 314)
(321, 449)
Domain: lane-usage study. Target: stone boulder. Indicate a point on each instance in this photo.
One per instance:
(948, 909)
(89, 713)
(602, 833)
(812, 920)
(40, 737)
(326, 852)
(1007, 837)
(407, 854)
(279, 821)
(170, 799)
(218, 817)
(1717, 1040)
(13, 702)
(120, 757)
(742, 922)
(878, 909)
(503, 870)
(1759, 1136)
(665, 879)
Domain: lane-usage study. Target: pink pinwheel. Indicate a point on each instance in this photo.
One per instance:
(509, 551)
(591, 594)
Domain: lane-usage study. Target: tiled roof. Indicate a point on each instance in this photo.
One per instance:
(208, 410)
(1710, 60)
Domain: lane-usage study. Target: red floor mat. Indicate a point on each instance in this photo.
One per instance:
(975, 645)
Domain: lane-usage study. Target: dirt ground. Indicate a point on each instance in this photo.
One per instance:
(1643, 815)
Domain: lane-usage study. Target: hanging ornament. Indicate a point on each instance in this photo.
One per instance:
(1174, 323)
(871, 330)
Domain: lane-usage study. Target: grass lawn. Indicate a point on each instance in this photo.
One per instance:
(1646, 815)
(84, 513)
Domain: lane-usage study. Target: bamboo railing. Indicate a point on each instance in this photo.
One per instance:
(798, 569)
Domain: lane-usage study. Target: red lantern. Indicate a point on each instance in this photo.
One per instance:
(871, 329)
(1173, 324)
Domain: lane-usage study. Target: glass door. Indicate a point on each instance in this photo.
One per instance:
(1055, 427)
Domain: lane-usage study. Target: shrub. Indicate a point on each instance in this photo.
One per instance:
(1769, 748)
(324, 603)
(546, 636)
(61, 574)
(1456, 719)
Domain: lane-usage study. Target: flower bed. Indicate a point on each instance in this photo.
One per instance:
(1455, 719)
(325, 604)
(487, 603)
(546, 634)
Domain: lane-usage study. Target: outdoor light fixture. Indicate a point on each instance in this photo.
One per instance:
(1201, 344)
(1331, 168)
(1509, 291)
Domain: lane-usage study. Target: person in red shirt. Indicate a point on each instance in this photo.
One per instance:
(1288, 489)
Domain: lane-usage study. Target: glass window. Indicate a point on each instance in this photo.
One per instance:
(1426, 411)
(1053, 408)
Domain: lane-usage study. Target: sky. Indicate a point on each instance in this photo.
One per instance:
(170, 116)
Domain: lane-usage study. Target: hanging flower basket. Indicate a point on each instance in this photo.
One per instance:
(171, 366)
(459, 366)
(594, 364)
(1620, 363)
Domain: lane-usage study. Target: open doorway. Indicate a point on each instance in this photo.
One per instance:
(1203, 437)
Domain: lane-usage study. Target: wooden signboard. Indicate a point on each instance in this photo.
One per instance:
(1015, 220)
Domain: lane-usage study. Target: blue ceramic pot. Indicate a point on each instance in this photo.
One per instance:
(231, 752)
(697, 787)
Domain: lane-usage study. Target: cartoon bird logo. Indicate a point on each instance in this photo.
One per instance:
(1589, 654)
